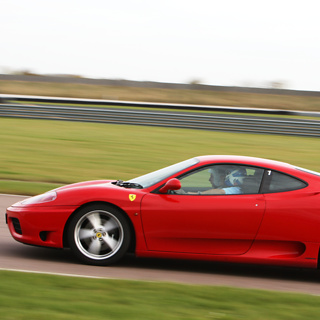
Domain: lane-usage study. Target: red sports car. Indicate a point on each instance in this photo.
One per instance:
(220, 208)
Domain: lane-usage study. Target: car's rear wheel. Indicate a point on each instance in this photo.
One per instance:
(99, 234)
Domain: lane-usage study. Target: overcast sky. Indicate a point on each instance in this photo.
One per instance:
(225, 42)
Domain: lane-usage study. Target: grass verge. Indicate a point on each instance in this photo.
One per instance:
(40, 155)
(184, 96)
(29, 296)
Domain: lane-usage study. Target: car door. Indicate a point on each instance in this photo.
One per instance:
(201, 223)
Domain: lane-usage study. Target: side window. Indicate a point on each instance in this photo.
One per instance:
(280, 182)
(196, 181)
(252, 181)
(222, 179)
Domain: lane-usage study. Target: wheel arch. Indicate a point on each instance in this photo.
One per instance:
(132, 230)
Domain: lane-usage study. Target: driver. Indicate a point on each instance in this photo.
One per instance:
(225, 183)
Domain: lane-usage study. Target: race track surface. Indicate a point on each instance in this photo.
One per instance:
(17, 256)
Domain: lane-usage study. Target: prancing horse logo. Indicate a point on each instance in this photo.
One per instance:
(132, 197)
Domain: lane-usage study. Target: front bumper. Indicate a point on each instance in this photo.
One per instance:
(38, 225)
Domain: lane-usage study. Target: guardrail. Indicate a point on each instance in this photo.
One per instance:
(153, 105)
(205, 121)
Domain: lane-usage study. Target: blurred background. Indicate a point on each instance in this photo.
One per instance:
(244, 54)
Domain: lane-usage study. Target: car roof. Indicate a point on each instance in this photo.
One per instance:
(245, 160)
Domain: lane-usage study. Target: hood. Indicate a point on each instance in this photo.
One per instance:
(83, 184)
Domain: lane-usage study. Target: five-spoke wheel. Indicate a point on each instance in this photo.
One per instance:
(99, 234)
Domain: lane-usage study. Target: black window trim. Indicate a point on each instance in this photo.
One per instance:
(264, 184)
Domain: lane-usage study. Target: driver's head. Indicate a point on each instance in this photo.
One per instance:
(217, 176)
(235, 177)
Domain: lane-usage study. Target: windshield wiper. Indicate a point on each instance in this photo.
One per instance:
(126, 184)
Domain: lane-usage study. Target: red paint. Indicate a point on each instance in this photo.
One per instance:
(280, 228)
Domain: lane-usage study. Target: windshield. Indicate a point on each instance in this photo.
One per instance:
(152, 178)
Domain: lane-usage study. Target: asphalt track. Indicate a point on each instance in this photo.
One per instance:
(20, 257)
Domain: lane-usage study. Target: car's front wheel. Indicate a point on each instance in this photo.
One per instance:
(99, 234)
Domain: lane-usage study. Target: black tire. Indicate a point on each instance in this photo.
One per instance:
(99, 235)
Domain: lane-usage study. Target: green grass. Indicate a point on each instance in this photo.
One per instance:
(29, 296)
(40, 155)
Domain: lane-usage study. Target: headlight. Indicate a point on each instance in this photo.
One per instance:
(41, 198)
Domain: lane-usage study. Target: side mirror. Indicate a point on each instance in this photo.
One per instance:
(172, 184)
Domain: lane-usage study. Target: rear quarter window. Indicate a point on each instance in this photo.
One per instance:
(280, 182)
